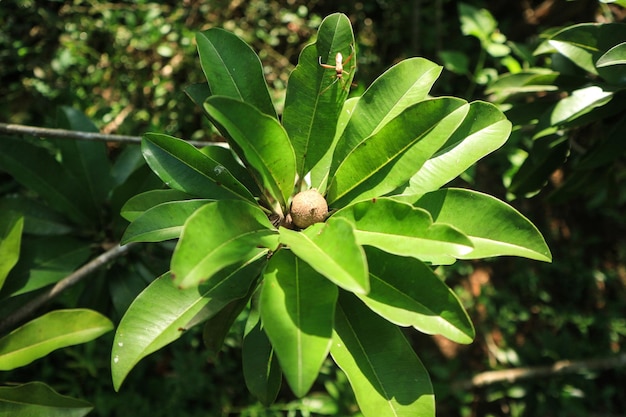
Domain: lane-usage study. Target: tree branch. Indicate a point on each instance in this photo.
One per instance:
(29, 308)
(558, 368)
(45, 132)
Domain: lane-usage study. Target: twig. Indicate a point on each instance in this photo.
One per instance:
(46, 132)
(29, 308)
(558, 368)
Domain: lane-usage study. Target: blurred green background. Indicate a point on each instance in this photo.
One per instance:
(125, 65)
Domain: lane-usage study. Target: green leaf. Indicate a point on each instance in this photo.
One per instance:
(297, 310)
(404, 230)
(311, 106)
(184, 168)
(52, 331)
(261, 143)
(261, 370)
(400, 87)
(477, 22)
(161, 222)
(614, 56)
(38, 399)
(218, 235)
(86, 160)
(140, 203)
(36, 169)
(233, 69)
(387, 159)
(484, 130)
(226, 157)
(217, 327)
(11, 226)
(406, 292)
(39, 219)
(162, 312)
(332, 250)
(44, 261)
(198, 93)
(494, 227)
(386, 376)
(584, 44)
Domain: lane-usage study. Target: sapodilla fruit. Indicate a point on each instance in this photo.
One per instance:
(308, 207)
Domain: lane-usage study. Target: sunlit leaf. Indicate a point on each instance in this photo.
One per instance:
(11, 226)
(297, 309)
(52, 331)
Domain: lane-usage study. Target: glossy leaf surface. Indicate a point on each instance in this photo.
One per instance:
(388, 158)
(494, 227)
(332, 250)
(217, 235)
(233, 69)
(162, 222)
(38, 399)
(184, 168)
(261, 142)
(140, 203)
(162, 312)
(483, 130)
(52, 331)
(387, 378)
(297, 310)
(312, 106)
(406, 292)
(401, 229)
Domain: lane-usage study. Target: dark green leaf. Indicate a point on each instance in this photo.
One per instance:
(36, 399)
(218, 235)
(162, 312)
(261, 370)
(312, 105)
(143, 202)
(262, 144)
(233, 69)
(184, 168)
(297, 309)
(39, 219)
(386, 376)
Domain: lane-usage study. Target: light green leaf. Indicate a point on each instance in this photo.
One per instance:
(312, 106)
(261, 143)
(614, 56)
(484, 130)
(477, 22)
(233, 69)
(386, 160)
(163, 312)
(401, 229)
(217, 235)
(36, 399)
(332, 250)
(297, 310)
(494, 227)
(387, 378)
(52, 331)
(184, 168)
(11, 226)
(407, 292)
(140, 203)
(161, 222)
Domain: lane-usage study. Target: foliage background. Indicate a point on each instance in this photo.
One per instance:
(125, 64)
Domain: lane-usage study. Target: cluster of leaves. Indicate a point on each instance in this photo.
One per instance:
(342, 286)
(572, 108)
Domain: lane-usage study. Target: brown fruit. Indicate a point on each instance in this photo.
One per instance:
(308, 207)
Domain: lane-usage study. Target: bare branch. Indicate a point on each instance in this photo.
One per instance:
(45, 132)
(29, 308)
(558, 368)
